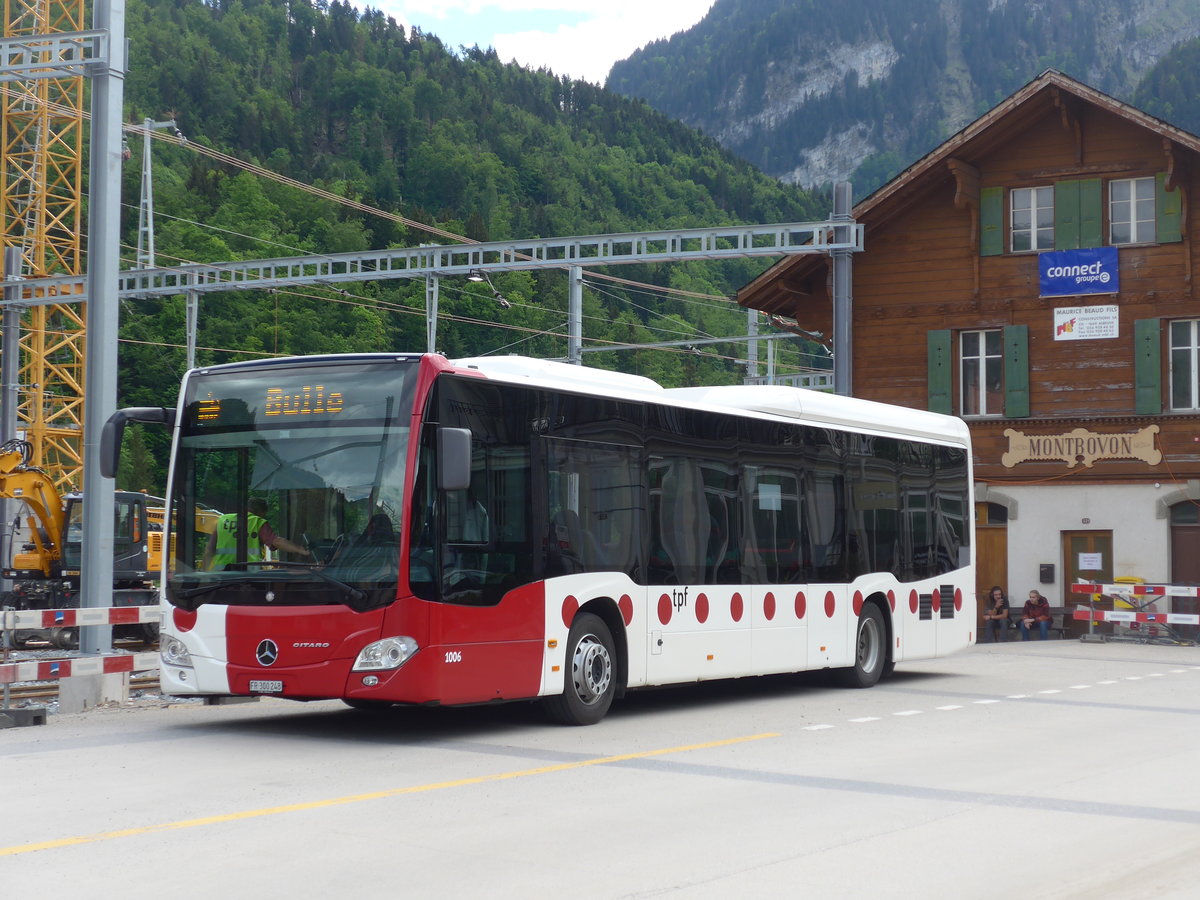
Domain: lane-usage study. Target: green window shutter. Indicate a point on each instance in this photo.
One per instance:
(1016, 371)
(1066, 215)
(991, 221)
(1167, 207)
(1091, 213)
(941, 369)
(1147, 367)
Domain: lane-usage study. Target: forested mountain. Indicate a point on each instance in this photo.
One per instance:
(1171, 90)
(813, 92)
(355, 104)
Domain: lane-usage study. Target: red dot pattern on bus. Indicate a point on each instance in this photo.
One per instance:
(569, 608)
(664, 609)
(625, 604)
(184, 620)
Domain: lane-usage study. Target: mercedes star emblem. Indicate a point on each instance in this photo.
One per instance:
(267, 652)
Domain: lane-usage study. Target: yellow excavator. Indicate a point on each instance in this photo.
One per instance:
(46, 548)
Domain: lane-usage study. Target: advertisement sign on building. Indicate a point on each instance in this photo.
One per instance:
(1065, 273)
(1086, 323)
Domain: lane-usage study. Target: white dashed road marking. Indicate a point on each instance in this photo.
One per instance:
(986, 701)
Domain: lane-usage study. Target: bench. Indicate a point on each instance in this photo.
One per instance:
(1059, 615)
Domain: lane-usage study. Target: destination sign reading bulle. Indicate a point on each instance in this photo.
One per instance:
(1066, 273)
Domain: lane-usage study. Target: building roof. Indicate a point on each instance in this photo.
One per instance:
(1049, 91)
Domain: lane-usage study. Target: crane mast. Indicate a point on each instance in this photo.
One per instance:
(40, 213)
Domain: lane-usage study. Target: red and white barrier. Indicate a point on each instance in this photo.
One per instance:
(1133, 617)
(1138, 590)
(50, 669)
(1126, 616)
(11, 619)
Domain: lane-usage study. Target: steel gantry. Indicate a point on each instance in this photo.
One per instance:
(837, 238)
(44, 52)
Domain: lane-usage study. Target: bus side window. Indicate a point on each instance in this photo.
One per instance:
(594, 508)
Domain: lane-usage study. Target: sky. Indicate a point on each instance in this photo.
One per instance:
(579, 38)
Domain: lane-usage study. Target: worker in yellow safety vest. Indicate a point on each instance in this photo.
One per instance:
(223, 542)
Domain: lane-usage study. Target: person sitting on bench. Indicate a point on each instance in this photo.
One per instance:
(1036, 612)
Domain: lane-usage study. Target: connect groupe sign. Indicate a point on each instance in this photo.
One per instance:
(1067, 273)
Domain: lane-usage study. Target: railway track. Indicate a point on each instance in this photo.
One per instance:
(48, 690)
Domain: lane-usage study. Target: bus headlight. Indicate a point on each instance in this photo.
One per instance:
(172, 652)
(390, 653)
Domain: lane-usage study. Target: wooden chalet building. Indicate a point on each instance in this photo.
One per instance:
(1035, 275)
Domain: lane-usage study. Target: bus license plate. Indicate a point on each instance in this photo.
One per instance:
(266, 687)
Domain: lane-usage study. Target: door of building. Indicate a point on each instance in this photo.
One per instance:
(1087, 556)
(1185, 543)
(1185, 559)
(991, 555)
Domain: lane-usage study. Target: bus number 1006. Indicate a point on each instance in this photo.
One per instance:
(453, 656)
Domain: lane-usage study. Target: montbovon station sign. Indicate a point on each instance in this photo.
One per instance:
(1081, 446)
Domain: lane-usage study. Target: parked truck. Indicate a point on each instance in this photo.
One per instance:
(45, 549)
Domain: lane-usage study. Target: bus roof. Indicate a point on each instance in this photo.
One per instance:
(765, 400)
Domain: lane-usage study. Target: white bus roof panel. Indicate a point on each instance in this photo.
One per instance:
(765, 400)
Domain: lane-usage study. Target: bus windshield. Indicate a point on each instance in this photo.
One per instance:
(289, 484)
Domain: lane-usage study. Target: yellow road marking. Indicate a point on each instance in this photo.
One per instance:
(359, 798)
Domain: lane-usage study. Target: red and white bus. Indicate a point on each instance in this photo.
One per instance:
(500, 529)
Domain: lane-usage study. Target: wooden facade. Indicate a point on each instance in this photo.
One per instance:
(939, 262)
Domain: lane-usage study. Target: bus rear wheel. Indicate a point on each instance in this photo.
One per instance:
(591, 681)
(870, 651)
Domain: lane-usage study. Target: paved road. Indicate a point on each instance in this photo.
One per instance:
(1053, 769)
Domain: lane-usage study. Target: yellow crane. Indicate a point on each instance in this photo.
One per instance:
(40, 213)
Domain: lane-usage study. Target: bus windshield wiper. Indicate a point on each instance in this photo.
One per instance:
(355, 594)
(189, 593)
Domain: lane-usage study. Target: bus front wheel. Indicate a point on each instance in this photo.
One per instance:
(870, 651)
(591, 674)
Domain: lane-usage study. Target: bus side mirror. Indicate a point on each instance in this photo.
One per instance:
(454, 459)
(114, 430)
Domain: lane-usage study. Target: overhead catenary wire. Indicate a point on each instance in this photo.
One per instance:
(379, 303)
(176, 139)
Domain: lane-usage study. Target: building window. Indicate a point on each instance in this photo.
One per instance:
(1185, 355)
(1131, 214)
(1032, 223)
(981, 371)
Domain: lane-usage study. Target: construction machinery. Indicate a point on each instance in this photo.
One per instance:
(45, 547)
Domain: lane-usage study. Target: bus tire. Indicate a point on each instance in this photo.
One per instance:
(591, 677)
(870, 651)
